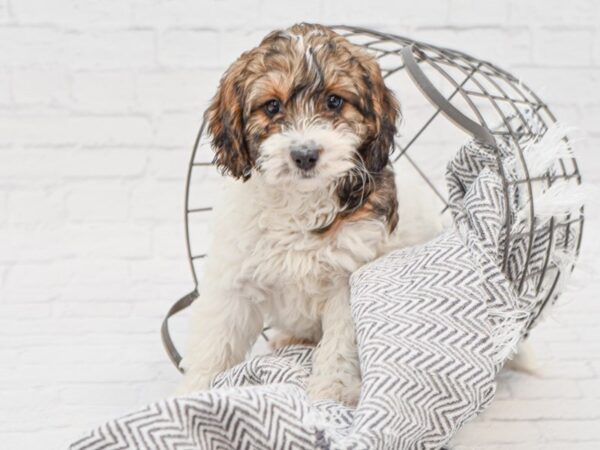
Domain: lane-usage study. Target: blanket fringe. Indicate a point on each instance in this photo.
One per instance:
(558, 199)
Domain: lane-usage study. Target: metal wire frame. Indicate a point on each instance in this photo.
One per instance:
(476, 85)
(520, 97)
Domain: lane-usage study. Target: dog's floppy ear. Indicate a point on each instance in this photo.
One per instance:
(225, 119)
(386, 112)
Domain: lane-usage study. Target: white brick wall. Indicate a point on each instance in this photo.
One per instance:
(99, 104)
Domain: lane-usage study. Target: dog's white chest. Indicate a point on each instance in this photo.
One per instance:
(267, 250)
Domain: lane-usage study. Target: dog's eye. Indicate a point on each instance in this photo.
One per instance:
(272, 107)
(334, 102)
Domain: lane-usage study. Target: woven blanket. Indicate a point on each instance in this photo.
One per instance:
(434, 324)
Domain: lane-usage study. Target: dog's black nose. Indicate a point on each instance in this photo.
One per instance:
(305, 156)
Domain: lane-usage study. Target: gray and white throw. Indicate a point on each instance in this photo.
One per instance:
(434, 325)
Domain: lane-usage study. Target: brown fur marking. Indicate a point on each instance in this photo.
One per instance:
(382, 204)
(301, 67)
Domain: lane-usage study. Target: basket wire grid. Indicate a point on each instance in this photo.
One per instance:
(486, 102)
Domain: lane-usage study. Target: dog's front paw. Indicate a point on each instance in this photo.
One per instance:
(346, 391)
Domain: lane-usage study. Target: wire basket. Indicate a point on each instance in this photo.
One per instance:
(444, 94)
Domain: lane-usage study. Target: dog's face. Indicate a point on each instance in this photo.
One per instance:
(305, 107)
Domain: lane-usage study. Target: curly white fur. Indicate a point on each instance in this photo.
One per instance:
(266, 266)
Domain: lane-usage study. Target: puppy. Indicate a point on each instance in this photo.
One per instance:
(304, 124)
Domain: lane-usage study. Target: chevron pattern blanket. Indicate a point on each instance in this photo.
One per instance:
(434, 325)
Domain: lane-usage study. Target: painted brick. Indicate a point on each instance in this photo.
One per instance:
(386, 15)
(95, 202)
(28, 46)
(176, 90)
(190, 13)
(510, 46)
(113, 49)
(59, 129)
(463, 13)
(100, 102)
(106, 162)
(167, 164)
(188, 48)
(38, 208)
(31, 245)
(162, 201)
(553, 12)
(169, 241)
(73, 14)
(4, 11)
(103, 91)
(5, 88)
(49, 87)
(178, 129)
(234, 42)
(558, 47)
(111, 241)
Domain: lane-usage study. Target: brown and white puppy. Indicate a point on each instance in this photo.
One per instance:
(305, 124)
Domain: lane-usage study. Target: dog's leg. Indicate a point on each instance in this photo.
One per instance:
(223, 329)
(336, 370)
